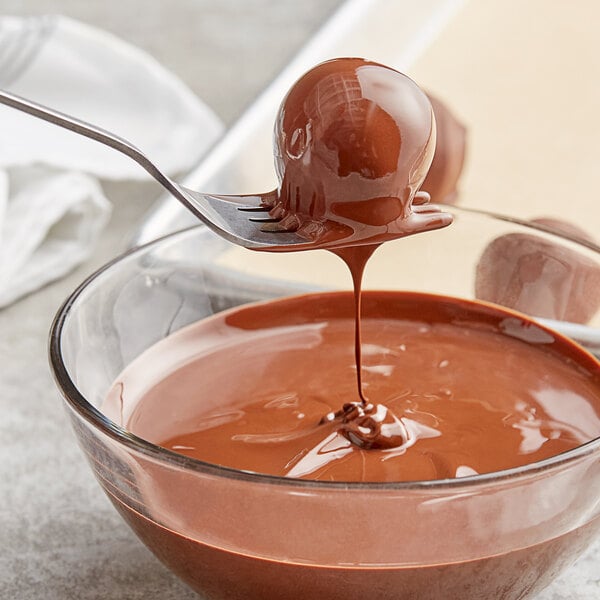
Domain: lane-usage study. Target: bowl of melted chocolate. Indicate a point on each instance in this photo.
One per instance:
(411, 410)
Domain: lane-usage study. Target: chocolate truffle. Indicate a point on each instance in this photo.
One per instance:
(540, 277)
(353, 142)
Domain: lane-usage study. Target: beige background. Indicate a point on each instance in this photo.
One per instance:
(524, 77)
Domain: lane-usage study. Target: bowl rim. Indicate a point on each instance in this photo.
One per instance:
(94, 417)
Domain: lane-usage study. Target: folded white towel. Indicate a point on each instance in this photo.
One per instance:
(50, 219)
(49, 225)
(99, 78)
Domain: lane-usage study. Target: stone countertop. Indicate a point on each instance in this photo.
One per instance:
(59, 535)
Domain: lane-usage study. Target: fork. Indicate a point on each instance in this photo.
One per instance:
(232, 217)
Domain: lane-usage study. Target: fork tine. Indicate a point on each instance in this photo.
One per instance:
(240, 202)
(253, 208)
(221, 212)
(264, 220)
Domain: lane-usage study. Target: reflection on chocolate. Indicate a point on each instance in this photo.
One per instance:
(353, 142)
(539, 277)
(445, 170)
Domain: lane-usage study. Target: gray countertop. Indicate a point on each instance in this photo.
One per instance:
(60, 537)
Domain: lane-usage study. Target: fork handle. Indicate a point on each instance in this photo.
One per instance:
(95, 133)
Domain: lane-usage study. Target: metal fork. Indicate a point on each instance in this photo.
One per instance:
(232, 217)
(20, 41)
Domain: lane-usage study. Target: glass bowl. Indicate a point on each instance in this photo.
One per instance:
(237, 535)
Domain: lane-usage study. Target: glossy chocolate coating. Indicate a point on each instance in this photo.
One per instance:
(353, 142)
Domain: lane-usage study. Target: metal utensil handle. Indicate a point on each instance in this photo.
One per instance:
(93, 132)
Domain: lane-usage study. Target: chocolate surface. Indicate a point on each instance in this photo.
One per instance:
(247, 389)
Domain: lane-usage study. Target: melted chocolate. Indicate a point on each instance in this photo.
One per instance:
(364, 424)
(247, 389)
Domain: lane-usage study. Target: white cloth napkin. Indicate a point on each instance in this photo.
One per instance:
(51, 221)
(51, 215)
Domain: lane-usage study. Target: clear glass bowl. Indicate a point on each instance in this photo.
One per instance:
(232, 534)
